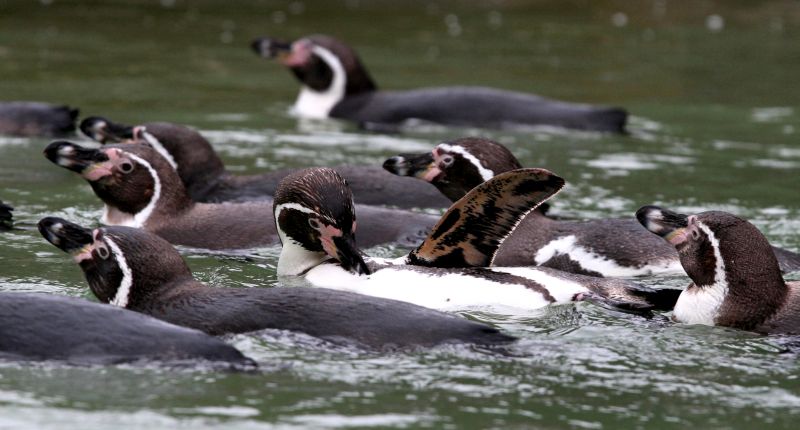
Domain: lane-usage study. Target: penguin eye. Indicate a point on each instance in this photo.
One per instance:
(314, 223)
(126, 167)
(695, 234)
(102, 252)
(447, 160)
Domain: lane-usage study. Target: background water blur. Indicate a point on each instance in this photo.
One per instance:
(712, 87)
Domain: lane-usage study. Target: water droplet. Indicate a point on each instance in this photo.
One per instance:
(619, 19)
(715, 23)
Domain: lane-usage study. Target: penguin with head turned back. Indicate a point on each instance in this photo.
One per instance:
(139, 271)
(336, 84)
(453, 269)
(736, 280)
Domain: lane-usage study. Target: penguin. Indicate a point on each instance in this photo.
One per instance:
(206, 179)
(139, 271)
(46, 327)
(6, 219)
(599, 247)
(20, 118)
(736, 279)
(141, 189)
(453, 269)
(335, 84)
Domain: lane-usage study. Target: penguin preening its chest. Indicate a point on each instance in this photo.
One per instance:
(141, 189)
(206, 179)
(605, 247)
(335, 84)
(139, 271)
(36, 119)
(453, 269)
(736, 280)
(46, 327)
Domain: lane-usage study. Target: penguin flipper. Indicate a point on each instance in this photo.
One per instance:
(472, 230)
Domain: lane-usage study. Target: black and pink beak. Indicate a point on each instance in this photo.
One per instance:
(271, 48)
(422, 166)
(66, 236)
(663, 222)
(105, 131)
(74, 157)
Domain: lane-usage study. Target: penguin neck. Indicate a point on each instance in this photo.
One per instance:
(296, 260)
(318, 104)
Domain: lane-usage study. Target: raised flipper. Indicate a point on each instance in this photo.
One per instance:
(471, 231)
(6, 221)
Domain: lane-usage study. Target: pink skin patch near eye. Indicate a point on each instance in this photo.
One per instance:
(327, 233)
(97, 171)
(432, 172)
(300, 55)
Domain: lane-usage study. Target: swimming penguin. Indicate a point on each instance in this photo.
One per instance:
(337, 85)
(45, 327)
(453, 269)
(6, 219)
(36, 119)
(736, 281)
(207, 180)
(141, 189)
(137, 270)
(601, 247)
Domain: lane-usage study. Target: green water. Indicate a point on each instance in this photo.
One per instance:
(715, 125)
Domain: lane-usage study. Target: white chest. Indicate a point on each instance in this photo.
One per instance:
(449, 291)
(700, 305)
(318, 104)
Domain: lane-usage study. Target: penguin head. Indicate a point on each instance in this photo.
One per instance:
(457, 166)
(715, 246)
(317, 60)
(121, 264)
(316, 219)
(133, 179)
(105, 131)
(185, 149)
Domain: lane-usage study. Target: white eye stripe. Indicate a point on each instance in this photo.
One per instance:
(124, 289)
(485, 173)
(318, 104)
(140, 218)
(156, 144)
(719, 269)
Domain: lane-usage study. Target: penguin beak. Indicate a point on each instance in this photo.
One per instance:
(349, 255)
(67, 236)
(663, 222)
(271, 48)
(89, 163)
(421, 166)
(104, 131)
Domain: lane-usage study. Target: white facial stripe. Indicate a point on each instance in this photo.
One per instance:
(318, 104)
(159, 148)
(719, 269)
(294, 258)
(700, 304)
(124, 289)
(486, 174)
(139, 219)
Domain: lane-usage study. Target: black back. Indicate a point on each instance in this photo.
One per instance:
(39, 327)
(6, 219)
(36, 119)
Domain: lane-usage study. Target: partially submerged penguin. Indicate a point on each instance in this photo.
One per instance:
(46, 327)
(207, 180)
(601, 247)
(6, 219)
(137, 270)
(36, 119)
(453, 269)
(141, 189)
(335, 84)
(736, 281)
